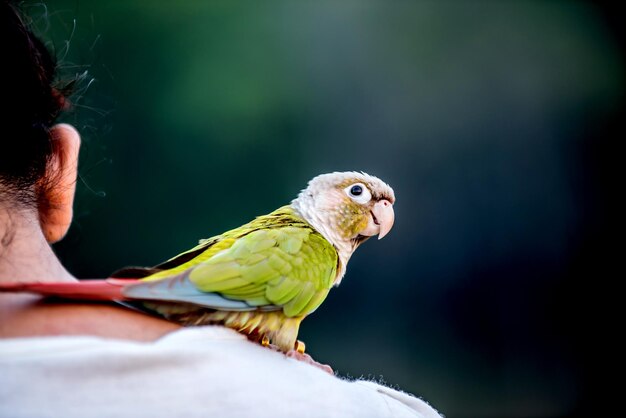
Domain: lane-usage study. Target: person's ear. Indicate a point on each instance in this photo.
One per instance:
(56, 195)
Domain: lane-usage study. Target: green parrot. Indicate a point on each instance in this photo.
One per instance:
(262, 278)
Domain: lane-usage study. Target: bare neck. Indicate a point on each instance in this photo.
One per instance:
(25, 256)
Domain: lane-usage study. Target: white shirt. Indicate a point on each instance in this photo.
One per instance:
(194, 372)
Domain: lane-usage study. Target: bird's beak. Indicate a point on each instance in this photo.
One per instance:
(383, 215)
(380, 221)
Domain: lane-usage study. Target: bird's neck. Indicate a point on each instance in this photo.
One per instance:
(305, 207)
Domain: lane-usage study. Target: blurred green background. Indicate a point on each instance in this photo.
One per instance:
(491, 120)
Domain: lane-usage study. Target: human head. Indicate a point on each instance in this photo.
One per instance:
(38, 159)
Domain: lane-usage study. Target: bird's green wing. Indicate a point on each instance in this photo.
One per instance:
(200, 252)
(291, 267)
(277, 261)
(207, 248)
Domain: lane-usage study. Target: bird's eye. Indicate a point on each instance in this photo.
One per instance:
(358, 192)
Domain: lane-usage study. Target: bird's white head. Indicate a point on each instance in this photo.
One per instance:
(347, 208)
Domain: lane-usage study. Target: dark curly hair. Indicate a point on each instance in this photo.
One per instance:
(32, 104)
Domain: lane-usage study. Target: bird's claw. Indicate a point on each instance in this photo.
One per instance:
(298, 353)
(309, 360)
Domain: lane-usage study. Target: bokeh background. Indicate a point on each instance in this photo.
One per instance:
(493, 121)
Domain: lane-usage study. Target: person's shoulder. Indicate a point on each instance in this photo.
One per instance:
(204, 371)
(291, 384)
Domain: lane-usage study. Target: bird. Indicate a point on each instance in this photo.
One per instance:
(262, 278)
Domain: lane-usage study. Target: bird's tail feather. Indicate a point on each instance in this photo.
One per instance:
(100, 289)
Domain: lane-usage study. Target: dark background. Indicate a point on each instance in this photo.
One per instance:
(495, 122)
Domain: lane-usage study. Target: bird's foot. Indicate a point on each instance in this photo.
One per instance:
(298, 353)
(265, 341)
(302, 356)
